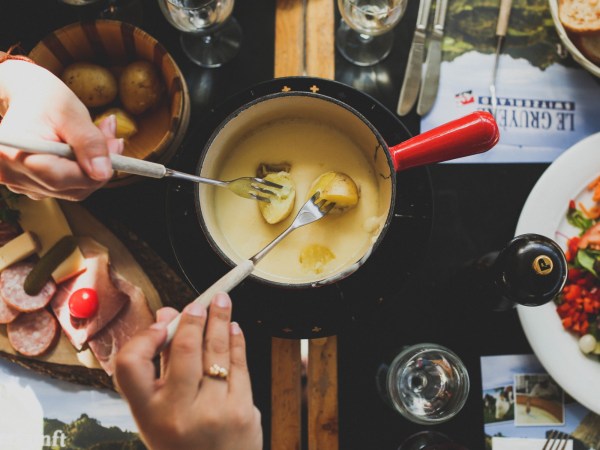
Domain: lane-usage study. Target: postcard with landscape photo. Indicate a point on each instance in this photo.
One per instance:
(538, 120)
(520, 400)
(43, 413)
(539, 400)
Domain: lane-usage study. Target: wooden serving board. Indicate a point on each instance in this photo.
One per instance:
(63, 361)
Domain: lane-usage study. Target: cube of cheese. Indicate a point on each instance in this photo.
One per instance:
(45, 219)
(17, 249)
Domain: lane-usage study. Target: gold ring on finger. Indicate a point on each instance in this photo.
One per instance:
(218, 372)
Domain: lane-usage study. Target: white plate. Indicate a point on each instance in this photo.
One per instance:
(572, 49)
(544, 213)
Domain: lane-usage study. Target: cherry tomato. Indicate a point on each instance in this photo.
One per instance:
(83, 303)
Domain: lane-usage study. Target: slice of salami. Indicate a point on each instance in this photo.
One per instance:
(7, 313)
(13, 292)
(32, 334)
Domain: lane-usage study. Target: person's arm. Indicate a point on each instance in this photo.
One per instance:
(36, 103)
(202, 400)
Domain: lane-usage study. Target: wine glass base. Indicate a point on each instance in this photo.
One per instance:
(427, 383)
(360, 49)
(426, 440)
(130, 11)
(213, 49)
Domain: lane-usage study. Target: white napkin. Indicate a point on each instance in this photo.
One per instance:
(500, 443)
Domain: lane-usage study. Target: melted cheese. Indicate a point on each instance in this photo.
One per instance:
(311, 148)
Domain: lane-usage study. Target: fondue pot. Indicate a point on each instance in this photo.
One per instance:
(471, 134)
(237, 227)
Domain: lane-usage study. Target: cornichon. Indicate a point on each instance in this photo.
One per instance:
(42, 271)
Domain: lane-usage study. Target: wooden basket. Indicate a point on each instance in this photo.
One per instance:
(114, 44)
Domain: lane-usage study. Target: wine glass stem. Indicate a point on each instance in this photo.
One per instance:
(418, 382)
(365, 37)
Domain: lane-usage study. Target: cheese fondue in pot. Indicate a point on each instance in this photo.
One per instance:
(310, 135)
(317, 250)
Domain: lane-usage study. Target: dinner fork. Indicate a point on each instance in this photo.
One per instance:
(557, 440)
(313, 210)
(247, 187)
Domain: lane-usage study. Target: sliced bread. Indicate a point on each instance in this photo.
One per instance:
(579, 16)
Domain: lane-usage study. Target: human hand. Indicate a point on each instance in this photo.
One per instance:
(35, 103)
(184, 408)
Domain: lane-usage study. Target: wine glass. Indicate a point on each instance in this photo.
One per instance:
(426, 383)
(210, 36)
(124, 10)
(365, 34)
(430, 440)
(79, 2)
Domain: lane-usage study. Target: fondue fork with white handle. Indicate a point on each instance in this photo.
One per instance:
(313, 210)
(247, 187)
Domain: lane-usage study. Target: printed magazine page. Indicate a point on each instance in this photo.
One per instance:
(546, 101)
(38, 412)
(523, 406)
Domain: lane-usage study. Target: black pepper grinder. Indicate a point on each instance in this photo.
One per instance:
(531, 271)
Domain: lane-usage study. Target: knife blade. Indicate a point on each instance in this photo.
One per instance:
(433, 62)
(501, 30)
(412, 76)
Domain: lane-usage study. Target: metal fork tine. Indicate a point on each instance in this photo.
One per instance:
(260, 198)
(565, 440)
(557, 440)
(263, 190)
(327, 208)
(549, 440)
(268, 183)
(324, 205)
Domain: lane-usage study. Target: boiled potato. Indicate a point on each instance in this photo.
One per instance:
(338, 188)
(315, 257)
(140, 87)
(282, 204)
(93, 84)
(126, 126)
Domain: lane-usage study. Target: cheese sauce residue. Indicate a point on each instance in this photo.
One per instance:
(311, 148)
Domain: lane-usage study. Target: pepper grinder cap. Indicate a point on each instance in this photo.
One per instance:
(531, 270)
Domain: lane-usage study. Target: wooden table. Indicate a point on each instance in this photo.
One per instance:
(477, 207)
(304, 45)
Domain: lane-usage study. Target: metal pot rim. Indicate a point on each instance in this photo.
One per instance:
(351, 267)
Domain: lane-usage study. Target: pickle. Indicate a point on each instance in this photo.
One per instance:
(42, 271)
(338, 188)
(282, 204)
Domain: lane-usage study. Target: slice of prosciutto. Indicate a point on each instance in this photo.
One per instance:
(111, 299)
(135, 316)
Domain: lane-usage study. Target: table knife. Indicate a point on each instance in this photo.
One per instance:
(501, 29)
(412, 76)
(433, 62)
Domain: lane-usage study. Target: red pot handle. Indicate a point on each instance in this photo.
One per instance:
(474, 133)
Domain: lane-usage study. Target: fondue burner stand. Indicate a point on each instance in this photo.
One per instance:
(313, 312)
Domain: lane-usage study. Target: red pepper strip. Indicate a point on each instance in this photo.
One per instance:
(573, 292)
